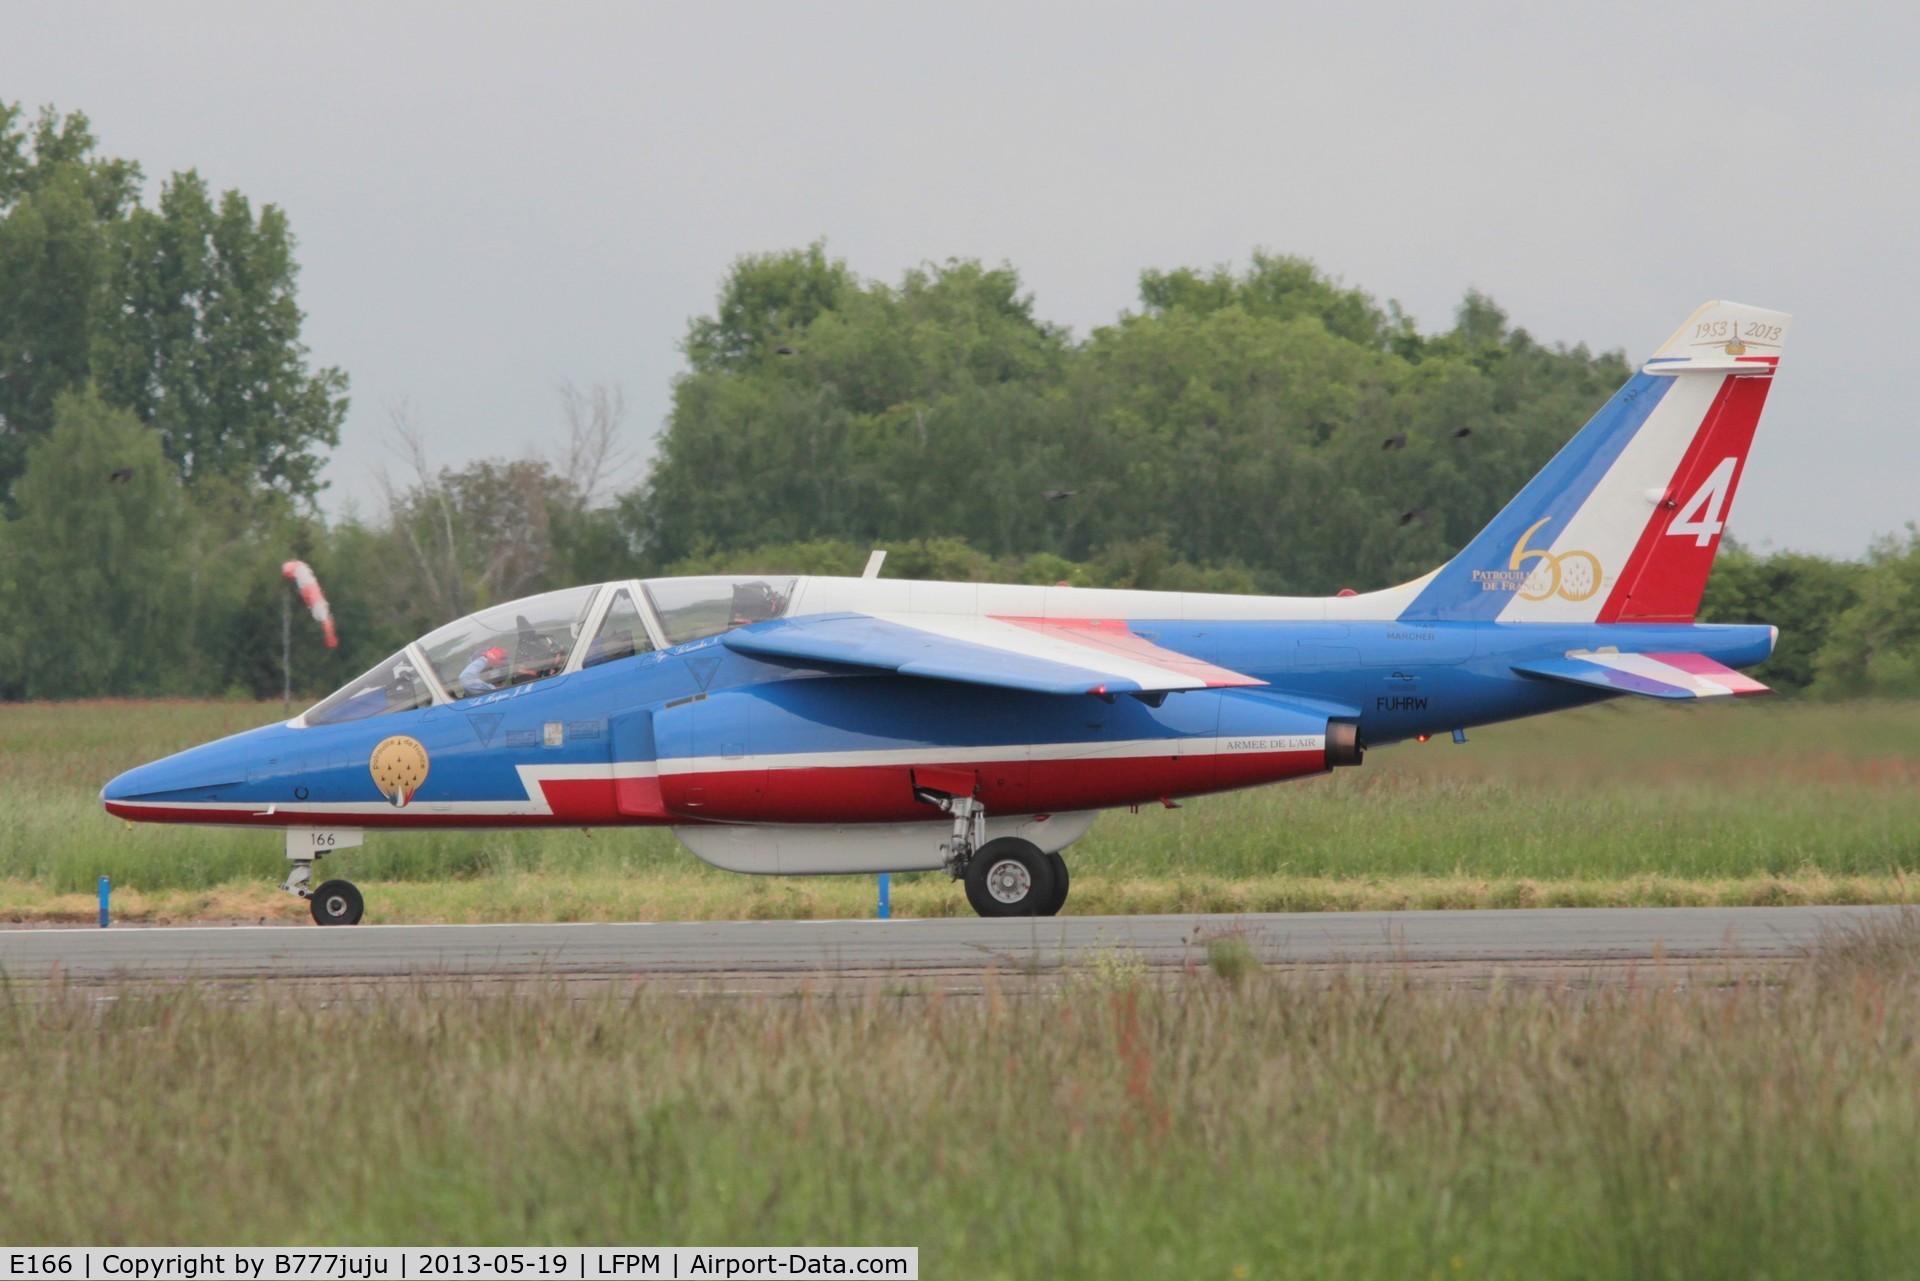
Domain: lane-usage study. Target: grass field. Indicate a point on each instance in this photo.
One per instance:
(1763, 802)
(1231, 1123)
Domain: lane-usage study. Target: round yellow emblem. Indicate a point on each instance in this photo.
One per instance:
(398, 766)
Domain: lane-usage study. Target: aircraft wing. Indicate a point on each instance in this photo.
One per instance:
(1654, 675)
(1045, 656)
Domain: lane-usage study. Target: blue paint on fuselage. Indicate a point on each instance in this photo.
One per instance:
(1397, 680)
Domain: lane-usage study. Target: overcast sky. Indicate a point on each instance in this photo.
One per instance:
(492, 200)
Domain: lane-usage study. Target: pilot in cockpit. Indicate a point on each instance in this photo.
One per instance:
(490, 661)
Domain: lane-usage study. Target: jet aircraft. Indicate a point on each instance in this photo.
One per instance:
(810, 725)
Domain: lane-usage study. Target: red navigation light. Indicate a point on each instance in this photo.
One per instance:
(1421, 738)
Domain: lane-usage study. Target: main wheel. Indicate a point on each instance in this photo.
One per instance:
(1009, 877)
(1059, 899)
(337, 903)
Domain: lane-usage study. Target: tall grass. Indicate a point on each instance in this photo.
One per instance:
(1249, 1125)
(1620, 791)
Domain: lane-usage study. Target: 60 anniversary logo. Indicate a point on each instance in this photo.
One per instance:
(1573, 575)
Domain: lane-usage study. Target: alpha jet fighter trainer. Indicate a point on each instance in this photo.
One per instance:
(814, 725)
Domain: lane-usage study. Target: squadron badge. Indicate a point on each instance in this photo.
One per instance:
(399, 767)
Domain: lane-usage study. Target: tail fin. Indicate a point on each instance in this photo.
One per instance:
(1623, 524)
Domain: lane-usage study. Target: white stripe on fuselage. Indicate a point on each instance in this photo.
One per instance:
(1127, 749)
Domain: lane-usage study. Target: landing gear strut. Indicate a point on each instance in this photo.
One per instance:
(969, 829)
(335, 902)
(1004, 877)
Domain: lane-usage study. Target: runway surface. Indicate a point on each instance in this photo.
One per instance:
(1477, 941)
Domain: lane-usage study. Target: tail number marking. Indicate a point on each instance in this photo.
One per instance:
(1704, 515)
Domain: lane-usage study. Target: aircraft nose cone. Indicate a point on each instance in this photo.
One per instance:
(201, 773)
(131, 783)
(123, 788)
(117, 790)
(153, 781)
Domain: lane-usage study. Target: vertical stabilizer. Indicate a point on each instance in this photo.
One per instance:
(1622, 525)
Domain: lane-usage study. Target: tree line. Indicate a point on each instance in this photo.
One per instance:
(1263, 428)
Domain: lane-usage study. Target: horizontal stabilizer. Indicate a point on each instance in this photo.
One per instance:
(1654, 675)
(1043, 656)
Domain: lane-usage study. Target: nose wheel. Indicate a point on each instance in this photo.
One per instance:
(334, 902)
(337, 903)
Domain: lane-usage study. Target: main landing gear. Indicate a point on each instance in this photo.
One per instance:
(335, 902)
(1007, 876)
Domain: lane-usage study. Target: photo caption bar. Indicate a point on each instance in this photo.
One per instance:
(598, 1263)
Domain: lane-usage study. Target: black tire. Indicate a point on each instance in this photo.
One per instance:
(1009, 877)
(337, 903)
(1058, 866)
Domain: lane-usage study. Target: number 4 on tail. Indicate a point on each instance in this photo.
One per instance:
(1705, 514)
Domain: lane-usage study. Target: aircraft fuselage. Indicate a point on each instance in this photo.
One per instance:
(699, 733)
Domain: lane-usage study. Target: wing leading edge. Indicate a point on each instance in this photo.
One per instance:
(1652, 675)
(1043, 656)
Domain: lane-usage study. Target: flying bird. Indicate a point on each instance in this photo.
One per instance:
(1398, 441)
(1408, 517)
(1461, 433)
(785, 351)
(121, 477)
(1055, 495)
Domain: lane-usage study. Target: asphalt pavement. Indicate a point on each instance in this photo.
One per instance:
(1478, 940)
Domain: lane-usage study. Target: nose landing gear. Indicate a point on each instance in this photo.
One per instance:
(336, 902)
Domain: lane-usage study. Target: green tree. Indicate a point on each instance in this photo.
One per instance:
(100, 600)
(204, 343)
(56, 202)
(1874, 647)
(767, 301)
(1277, 287)
(184, 313)
(1800, 594)
(1237, 419)
(892, 415)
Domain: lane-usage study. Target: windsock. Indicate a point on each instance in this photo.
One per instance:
(312, 597)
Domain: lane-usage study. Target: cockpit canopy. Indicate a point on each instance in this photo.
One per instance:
(549, 635)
